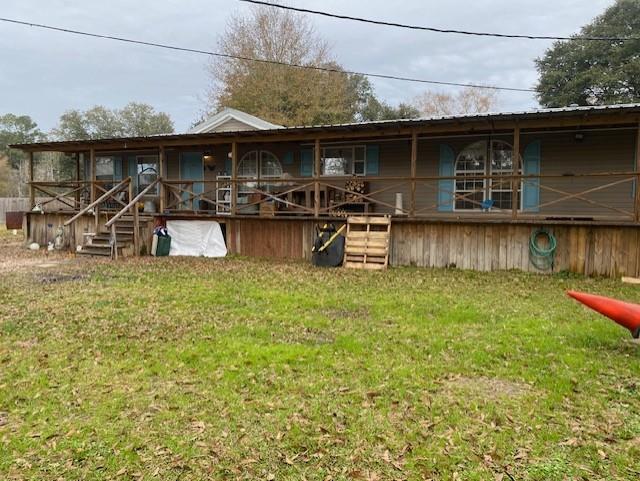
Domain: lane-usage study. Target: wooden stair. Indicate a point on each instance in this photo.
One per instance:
(99, 244)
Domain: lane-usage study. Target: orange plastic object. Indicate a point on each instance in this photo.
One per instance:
(624, 313)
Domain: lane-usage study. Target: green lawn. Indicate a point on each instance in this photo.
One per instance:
(196, 369)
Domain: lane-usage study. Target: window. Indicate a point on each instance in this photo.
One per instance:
(105, 168)
(479, 159)
(269, 165)
(147, 172)
(347, 160)
(259, 164)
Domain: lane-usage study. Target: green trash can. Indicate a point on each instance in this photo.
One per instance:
(164, 246)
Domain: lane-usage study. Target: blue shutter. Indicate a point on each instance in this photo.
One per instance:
(372, 156)
(531, 187)
(306, 162)
(228, 166)
(287, 158)
(117, 168)
(446, 186)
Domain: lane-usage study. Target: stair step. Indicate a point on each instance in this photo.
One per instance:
(95, 250)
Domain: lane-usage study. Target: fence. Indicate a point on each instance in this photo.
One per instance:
(10, 204)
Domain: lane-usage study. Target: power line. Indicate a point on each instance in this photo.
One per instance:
(263, 61)
(439, 30)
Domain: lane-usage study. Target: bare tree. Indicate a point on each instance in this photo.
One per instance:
(467, 101)
(277, 93)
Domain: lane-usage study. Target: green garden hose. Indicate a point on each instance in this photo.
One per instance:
(542, 257)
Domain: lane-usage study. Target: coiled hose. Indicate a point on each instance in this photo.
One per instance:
(542, 258)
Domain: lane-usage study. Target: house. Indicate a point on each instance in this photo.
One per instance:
(232, 120)
(466, 191)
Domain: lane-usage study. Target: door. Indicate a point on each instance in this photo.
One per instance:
(191, 169)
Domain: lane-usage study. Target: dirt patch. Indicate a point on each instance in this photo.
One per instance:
(336, 314)
(303, 335)
(485, 387)
(56, 278)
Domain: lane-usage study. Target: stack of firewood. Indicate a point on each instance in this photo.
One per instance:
(355, 186)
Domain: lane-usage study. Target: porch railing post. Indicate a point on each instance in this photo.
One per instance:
(78, 180)
(316, 179)
(161, 169)
(92, 162)
(516, 178)
(136, 222)
(636, 207)
(32, 192)
(414, 169)
(234, 180)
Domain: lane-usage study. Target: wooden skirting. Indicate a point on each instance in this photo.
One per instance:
(594, 250)
(589, 250)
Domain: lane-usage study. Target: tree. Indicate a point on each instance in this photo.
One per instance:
(135, 119)
(277, 93)
(469, 100)
(17, 129)
(367, 107)
(594, 72)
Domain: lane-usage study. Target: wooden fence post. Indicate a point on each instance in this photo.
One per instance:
(516, 179)
(316, 179)
(234, 178)
(136, 221)
(414, 169)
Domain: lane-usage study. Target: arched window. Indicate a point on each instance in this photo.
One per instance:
(259, 164)
(479, 159)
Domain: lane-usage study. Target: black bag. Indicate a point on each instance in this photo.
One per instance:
(330, 255)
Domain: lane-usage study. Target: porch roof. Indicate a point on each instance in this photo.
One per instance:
(539, 118)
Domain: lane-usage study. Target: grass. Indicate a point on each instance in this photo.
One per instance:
(198, 369)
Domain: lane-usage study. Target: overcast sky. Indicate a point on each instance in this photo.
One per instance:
(44, 73)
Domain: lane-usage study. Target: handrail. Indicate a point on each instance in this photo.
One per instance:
(133, 202)
(118, 187)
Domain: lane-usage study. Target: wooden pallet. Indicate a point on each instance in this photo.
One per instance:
(367, 242)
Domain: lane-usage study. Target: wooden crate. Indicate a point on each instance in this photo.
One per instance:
(367, 242)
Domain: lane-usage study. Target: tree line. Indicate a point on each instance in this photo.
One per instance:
(570, 72)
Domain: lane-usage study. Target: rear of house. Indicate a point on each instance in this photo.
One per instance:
(464, 191)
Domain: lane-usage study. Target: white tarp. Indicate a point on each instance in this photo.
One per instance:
(196, 238)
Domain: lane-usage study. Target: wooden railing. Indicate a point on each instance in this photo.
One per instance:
(94, 207)
(132, 207)
(595, 196)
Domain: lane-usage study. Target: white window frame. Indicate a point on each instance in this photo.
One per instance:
(487, 188)
(259, 176)
(353, 160)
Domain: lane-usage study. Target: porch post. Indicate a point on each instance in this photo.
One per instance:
(32, 192)
(234, 173)
(161, 169)
(316, 175)
(515, 179)
(92, 162)
(77, 197)
(637, 179)
(414, 169)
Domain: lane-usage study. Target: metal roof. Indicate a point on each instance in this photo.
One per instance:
(362, 126)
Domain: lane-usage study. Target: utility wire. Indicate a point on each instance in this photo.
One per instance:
(262, 61)
(439, 30)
